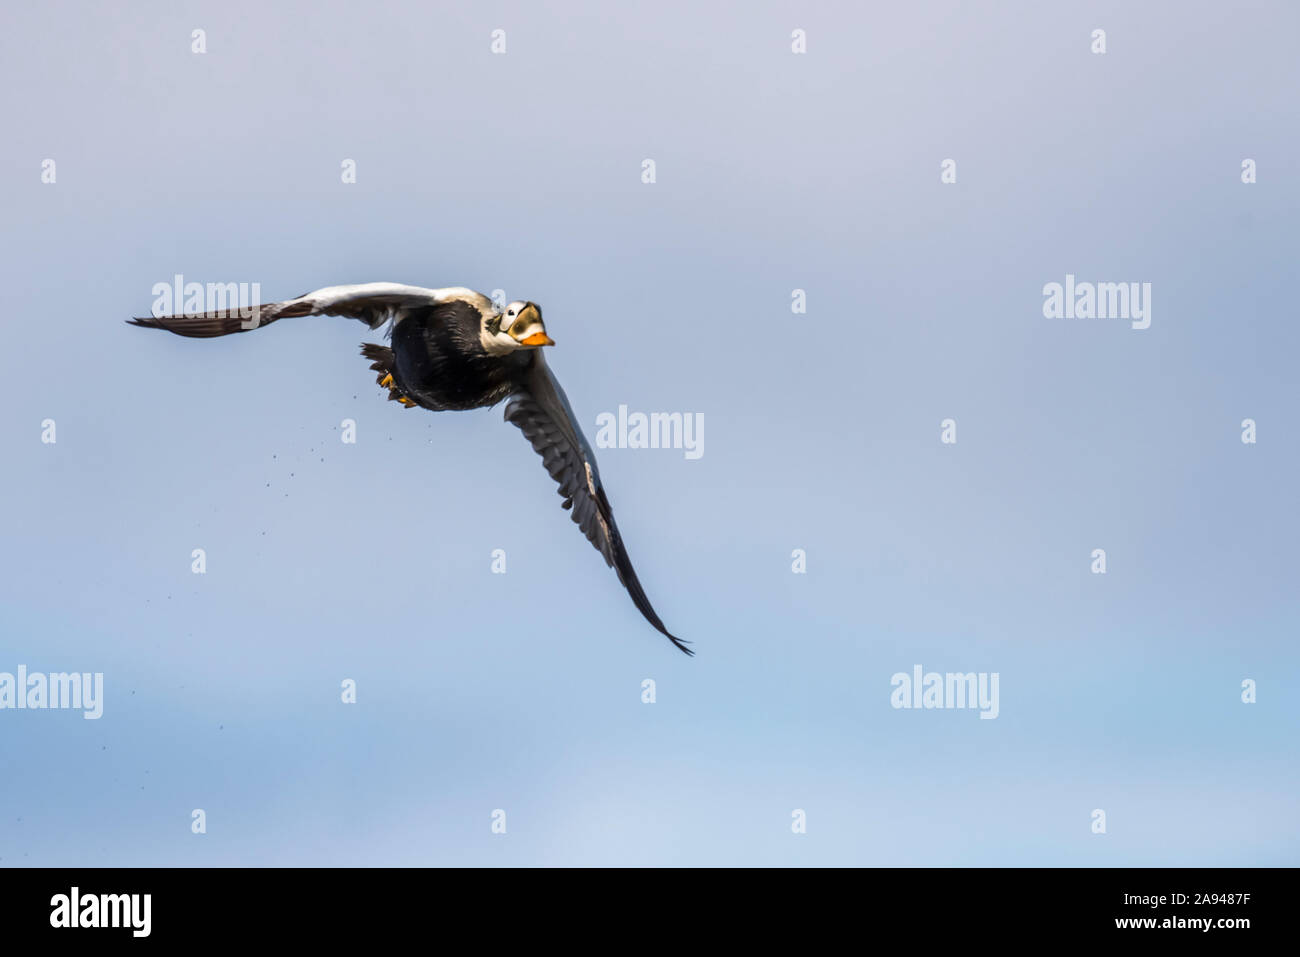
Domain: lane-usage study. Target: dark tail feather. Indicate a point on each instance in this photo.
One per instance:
(383, 357)
(384, 365)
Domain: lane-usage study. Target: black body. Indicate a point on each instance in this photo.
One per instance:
(439, 361)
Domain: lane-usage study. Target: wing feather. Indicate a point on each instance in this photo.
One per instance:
(373, 303)
(542, 412)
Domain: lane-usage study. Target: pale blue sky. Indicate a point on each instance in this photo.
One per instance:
(522, 172)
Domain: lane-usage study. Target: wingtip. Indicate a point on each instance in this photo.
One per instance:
(681, 643)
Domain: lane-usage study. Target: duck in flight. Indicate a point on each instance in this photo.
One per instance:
(453, 349)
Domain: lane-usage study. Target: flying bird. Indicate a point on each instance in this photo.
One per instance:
(453, 349)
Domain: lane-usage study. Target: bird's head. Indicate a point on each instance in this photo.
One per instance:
(518, 327)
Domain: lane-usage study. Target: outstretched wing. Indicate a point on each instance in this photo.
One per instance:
(542, 412)
(374, 303)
